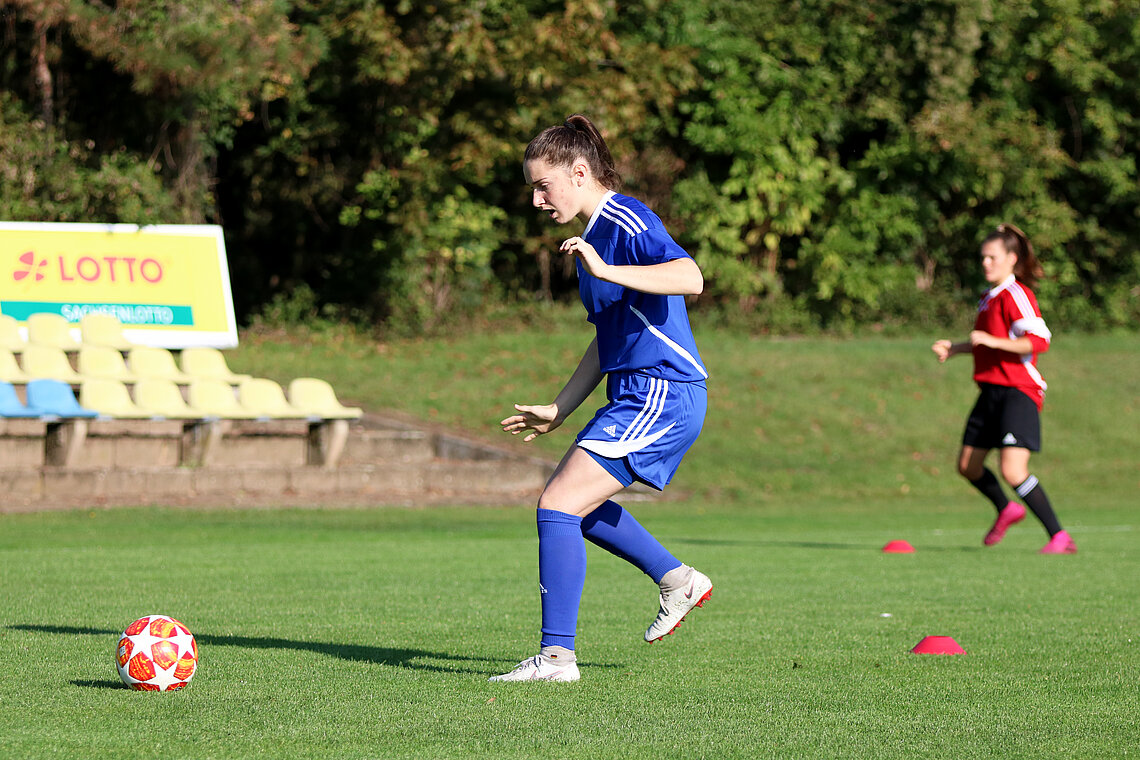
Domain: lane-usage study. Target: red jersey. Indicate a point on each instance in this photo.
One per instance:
(1010, 311)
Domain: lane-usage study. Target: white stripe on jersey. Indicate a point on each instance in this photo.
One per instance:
(1021, 300)
(1030, 326)
(628, 213)
(995, 291)
(1029, 322)
(619, 222)
(1027, 362)
(597, 212)
(671, 343)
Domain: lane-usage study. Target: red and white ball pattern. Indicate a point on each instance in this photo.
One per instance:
(157, 653)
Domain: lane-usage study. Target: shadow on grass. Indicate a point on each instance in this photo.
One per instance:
(396, 657)
(830, 545)
(105, 684)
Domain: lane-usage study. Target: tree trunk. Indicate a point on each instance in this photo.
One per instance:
(42, 74)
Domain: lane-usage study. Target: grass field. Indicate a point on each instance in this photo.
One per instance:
(370, 633)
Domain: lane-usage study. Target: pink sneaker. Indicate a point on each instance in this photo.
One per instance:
(1060, 543)
(1013, 513)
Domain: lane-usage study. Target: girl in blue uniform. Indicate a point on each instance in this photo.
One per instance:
(632, 279)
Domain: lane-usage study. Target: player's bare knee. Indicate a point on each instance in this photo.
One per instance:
(969, 470)
(1015, 476)
(548, 500)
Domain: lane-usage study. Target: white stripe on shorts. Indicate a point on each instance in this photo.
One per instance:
(619, 449)
(654, 403)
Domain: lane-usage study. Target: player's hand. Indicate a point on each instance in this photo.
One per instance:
(586, 253)
(532, 420)
(981, 338)
(941, 349)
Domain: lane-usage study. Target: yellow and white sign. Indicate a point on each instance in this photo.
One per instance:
(168, 284)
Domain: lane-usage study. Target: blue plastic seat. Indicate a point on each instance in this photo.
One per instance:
(54, 397)
(10, 405)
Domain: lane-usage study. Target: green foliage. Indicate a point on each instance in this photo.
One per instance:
(841, 158)
(46, 177)
(169, 79)
(444, 266)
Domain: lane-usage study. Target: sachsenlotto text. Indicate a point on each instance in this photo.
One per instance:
(168, 284)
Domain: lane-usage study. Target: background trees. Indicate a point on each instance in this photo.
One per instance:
(833, 161)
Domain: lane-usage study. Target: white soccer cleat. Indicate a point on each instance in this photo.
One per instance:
(539, 668)
(680, 602)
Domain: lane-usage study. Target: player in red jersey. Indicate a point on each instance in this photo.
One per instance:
(1008, 335)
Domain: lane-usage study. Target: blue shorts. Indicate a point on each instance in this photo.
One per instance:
(646, 428)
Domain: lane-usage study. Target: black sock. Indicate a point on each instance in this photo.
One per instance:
(1034, 496)
(991, 489)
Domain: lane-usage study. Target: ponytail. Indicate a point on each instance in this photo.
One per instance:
(1027, 269)
(576, 138)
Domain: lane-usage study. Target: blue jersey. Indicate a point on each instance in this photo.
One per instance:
(637, 332)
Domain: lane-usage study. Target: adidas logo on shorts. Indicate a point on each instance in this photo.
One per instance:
(611, 430)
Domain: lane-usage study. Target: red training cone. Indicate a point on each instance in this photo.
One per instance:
(898, 547)
(938, 645)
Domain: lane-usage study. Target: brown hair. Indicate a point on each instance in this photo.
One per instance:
(576, 138)
(1027, 269)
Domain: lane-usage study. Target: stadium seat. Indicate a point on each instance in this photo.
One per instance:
(265, 398)
(10, 337)
(10, 371)
(53, 397)
(10, 405)
(52, 330)
(102, 361)
(48, 363)
(316, 398)
(163, 399)
(147, 361)
(105, 330)
(110, 398)
(216, 398)
(209, 364)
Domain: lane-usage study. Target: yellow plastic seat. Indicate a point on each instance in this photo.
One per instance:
(318, 399)
(10, 337)
(101, 361)
(216, 398)
(147, 361)
(161, 398)
(49, 363)
(209, 364)
(47, 329)
(106, 330)
(109, 398)
(265, 398)
(10, 371)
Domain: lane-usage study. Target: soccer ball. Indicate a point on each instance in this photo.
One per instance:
(157, 653)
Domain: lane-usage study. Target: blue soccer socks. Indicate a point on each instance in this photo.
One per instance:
(614, 529)
(561, 575)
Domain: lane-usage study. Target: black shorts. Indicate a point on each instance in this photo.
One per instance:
(1003, 416)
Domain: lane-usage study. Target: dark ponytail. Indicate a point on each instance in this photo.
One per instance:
(1027, 269)
(576, 138)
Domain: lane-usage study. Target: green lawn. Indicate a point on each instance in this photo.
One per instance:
(370, 633)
